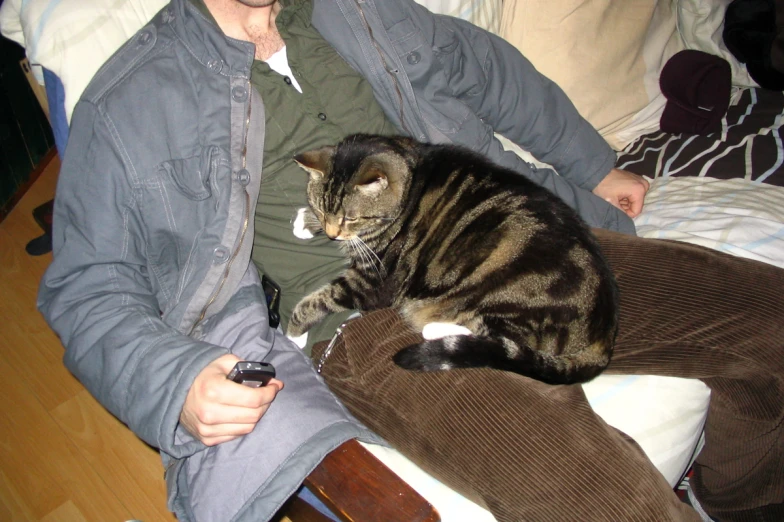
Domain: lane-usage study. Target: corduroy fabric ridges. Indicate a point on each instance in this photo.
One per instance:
(534, 452)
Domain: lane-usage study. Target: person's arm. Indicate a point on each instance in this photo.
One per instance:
(505, 90)
(98, 297)
(509, 94)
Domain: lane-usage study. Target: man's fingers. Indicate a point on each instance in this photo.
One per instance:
(226, 362)
(219, 390)
(213, 415)
(214, 441)
(206, 432)
(233, 394)
(634, 207)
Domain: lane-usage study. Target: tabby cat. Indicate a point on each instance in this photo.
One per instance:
(448, 238)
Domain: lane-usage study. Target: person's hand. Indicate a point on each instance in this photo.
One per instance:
(218, 410)
(624, 190)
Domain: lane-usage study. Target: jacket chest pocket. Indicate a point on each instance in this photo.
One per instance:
(431, 63)
(180, 206)
(192, 176)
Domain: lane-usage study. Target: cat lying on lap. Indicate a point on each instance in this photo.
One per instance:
(448, 238)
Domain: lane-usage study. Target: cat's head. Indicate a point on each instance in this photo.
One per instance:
(357, 188)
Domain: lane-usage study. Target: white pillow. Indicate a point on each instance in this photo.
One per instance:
(605, 55)
(73, 38)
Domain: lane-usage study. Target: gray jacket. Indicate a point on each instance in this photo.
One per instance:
(153, 221)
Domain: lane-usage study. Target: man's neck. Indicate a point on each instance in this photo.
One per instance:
(252, 24)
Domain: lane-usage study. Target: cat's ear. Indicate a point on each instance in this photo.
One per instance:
(371, 181)
(315, 162)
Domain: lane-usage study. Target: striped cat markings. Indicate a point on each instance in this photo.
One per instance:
(495, 270)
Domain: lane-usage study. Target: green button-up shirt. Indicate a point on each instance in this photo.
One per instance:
(335, 102)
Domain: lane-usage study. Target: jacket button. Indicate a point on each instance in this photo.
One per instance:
(145, 37)
(287, 80)
(239, 94)
(322, 116)
(413, 58)
(215, 65)
(220, 255)
(243, 177)
(167, 15)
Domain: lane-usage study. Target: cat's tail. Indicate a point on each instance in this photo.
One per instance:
(468, 351)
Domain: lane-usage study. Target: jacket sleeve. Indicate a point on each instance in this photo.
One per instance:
(96, 295)
(506, 91)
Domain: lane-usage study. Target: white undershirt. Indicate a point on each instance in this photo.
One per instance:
(279, 62)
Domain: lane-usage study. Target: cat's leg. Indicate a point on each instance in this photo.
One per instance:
(312, 309)
(331, 298)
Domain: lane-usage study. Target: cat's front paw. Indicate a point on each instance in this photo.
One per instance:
(295, 329)
(304, 316)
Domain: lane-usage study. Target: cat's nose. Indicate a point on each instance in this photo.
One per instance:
(332, 231)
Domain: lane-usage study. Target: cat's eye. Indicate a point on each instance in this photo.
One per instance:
(349, 219)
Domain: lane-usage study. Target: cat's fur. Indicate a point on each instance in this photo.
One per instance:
(445, 236)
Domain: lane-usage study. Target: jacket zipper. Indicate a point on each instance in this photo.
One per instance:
(384, 63)
(245, 224)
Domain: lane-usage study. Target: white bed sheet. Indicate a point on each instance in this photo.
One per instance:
(737, 216)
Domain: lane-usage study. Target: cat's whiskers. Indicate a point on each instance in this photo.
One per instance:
(370, 250)
(368, 256)
(359, 252)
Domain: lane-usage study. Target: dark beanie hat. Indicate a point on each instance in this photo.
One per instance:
(697, 86)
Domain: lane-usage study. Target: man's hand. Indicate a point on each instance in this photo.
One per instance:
(624, 190)
(218, 410)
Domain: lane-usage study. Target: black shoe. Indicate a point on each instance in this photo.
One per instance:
(43, 216)
(40, 245)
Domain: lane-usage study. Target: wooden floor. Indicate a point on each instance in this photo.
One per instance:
(62, 456)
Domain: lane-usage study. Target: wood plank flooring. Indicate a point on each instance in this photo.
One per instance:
(62, 456)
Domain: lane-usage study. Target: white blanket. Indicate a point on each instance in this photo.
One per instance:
(737, 216)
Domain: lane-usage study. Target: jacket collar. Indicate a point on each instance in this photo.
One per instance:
(206, 42)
